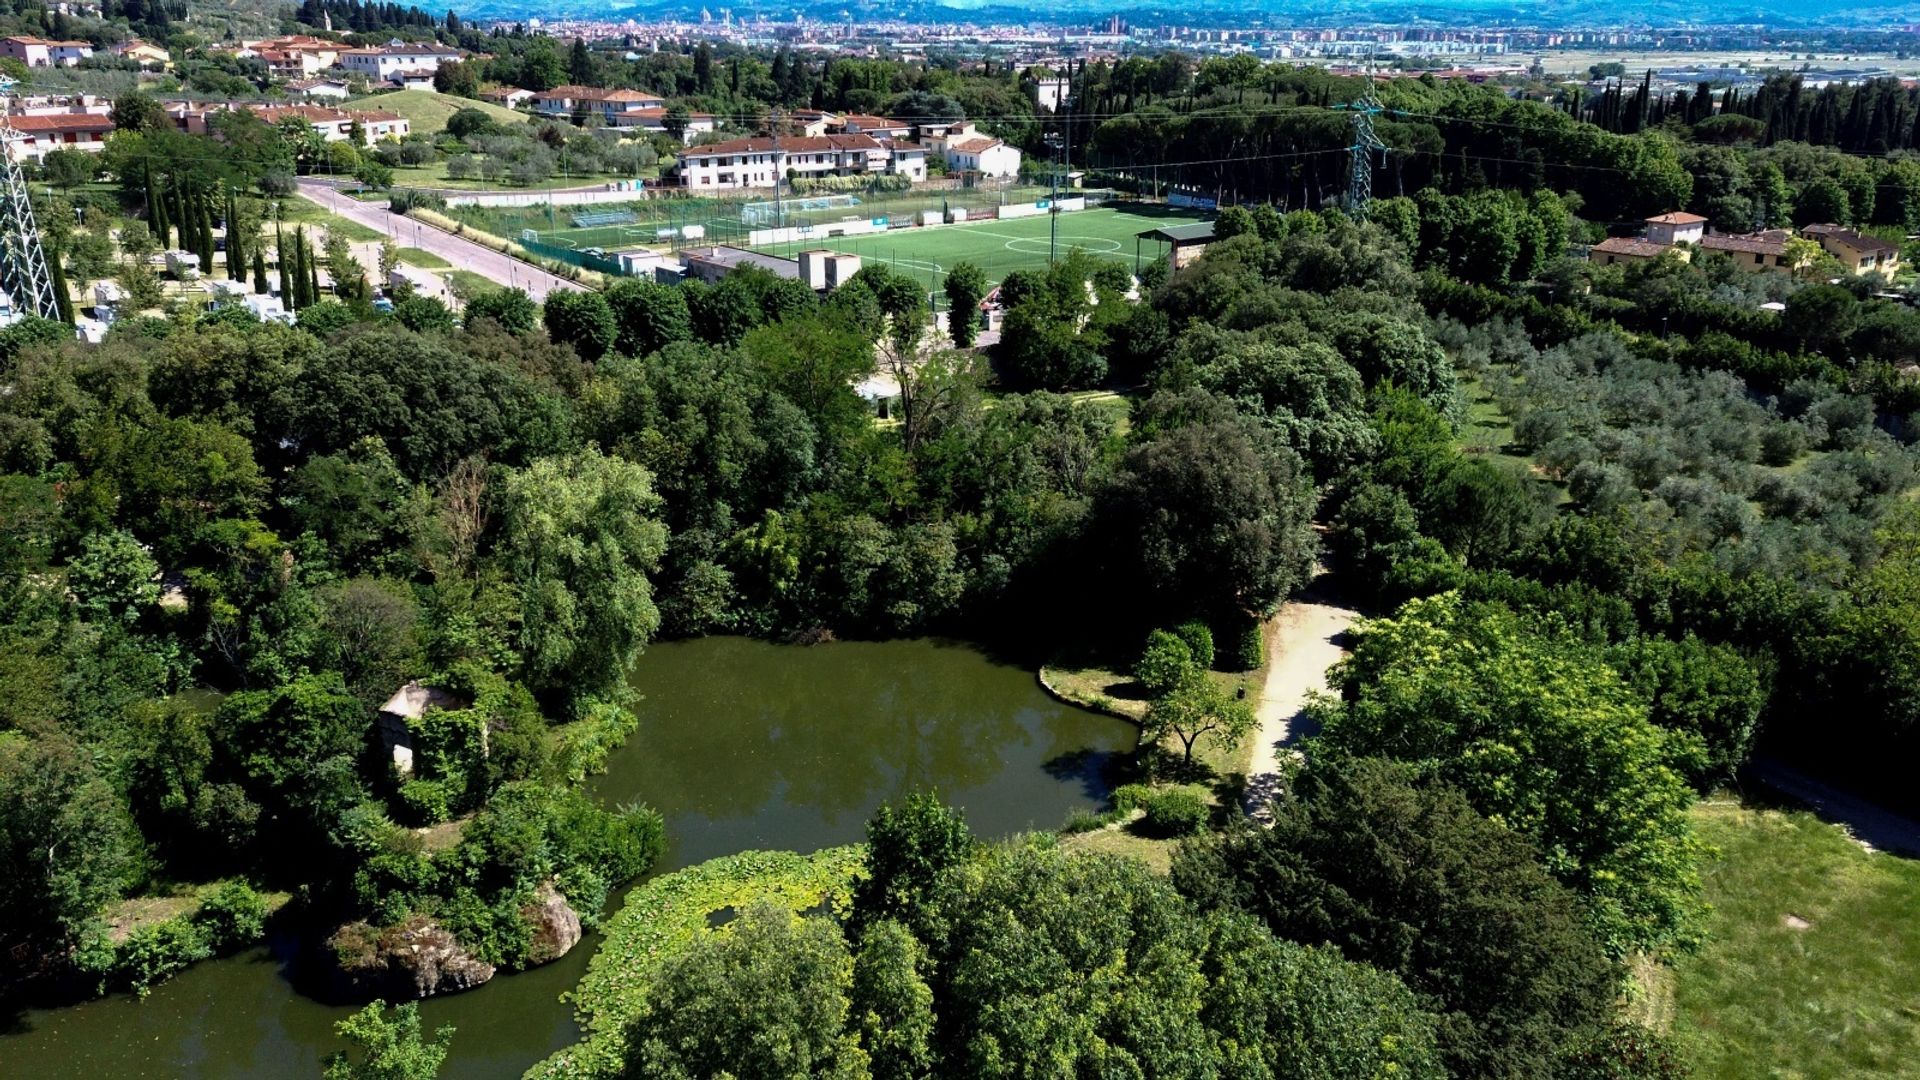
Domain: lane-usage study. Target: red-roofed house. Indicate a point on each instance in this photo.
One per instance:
(1628, 249)
(877, 126)
(564, 102)
(39, 52)
(35, 136)
(1676, 228)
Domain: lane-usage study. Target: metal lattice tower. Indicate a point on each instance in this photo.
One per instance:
(1365, 145)
(23, 262)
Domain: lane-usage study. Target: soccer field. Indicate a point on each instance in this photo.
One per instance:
(1001, 247)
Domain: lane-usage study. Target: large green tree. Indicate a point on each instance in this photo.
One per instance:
(1410, 878)
(581, 536)
(1537, 730)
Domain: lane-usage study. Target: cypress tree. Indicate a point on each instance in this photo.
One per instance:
(280, 260)
(184, 218)
(57, 271)
(206, 237)
(157, 213)
(313, 278)
(299, 270)
(259, 272)
(236, 251)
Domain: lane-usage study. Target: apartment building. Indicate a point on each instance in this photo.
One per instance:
(965, 149)
(34, 137)
(761, 162)
(566, 102)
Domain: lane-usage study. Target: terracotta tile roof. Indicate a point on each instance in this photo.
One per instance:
(1747, 245)
(1856, 241)
(60, 122)
(1677, 218)
(805, 144)
(857, 120)
(1630, 245)
(974, 146)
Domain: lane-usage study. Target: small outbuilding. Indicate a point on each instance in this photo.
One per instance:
(1185, 243)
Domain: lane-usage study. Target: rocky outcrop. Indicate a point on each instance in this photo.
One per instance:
(556, 926)
(414, 958)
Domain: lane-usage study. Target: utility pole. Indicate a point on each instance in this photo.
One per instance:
(23, 262)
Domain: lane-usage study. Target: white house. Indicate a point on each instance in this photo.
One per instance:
(564, 102)
(320, 89)
(508, 97)
(35, 136)
(758, 162)
(335, 125)
(984, 155)
(654, 121)
(390, 62)
(39, 52)
(1676, 228)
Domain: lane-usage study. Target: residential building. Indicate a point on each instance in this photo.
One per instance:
(296, 64)
(328, 89)
(508, 97)
(571, 102)
(1858, 252)
(39, 52)
(35, 136)
(145, 53)
(877, 126)
(1755, 251)
(1676, 228)
(761, 161)
(989, 157)
(334, 125)
(812, 121)
(653, 120)
(1629, 249)
(392, 62)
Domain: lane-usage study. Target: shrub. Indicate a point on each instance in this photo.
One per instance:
(1249, 651)
(404, 200)
(233, 916)
(153, 954)
(1130, 797)
(1163, 663)
(425, 802)
(1179, 812)
(1199, 639)
(1084, 821)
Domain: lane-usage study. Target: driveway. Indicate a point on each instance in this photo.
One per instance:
(464, 254)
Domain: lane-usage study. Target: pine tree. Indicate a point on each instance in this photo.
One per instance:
(259, 272)
(57, 271)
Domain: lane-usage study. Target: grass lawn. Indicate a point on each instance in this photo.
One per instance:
(1812, 968)
(299, 211)
(435, 176)
(427, 112)
(466, 284)
(425, 260)
(1001, 247)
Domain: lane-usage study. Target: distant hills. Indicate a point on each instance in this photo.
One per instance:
(1559, 13)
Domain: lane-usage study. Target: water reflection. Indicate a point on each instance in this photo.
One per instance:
(742, 745)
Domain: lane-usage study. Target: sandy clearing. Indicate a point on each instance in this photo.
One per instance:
(1303, 641)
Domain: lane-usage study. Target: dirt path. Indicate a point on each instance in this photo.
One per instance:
(1872, 826)
(1303, 641)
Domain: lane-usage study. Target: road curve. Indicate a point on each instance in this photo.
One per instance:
(464, 254)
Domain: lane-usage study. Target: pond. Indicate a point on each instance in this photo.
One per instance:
(741, 745)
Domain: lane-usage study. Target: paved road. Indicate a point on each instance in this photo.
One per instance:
(462, 253)
(1306, 638)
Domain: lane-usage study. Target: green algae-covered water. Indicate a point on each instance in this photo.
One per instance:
(741, 745)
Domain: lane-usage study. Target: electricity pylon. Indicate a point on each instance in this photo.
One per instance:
(23, 262)
(1365, 145)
